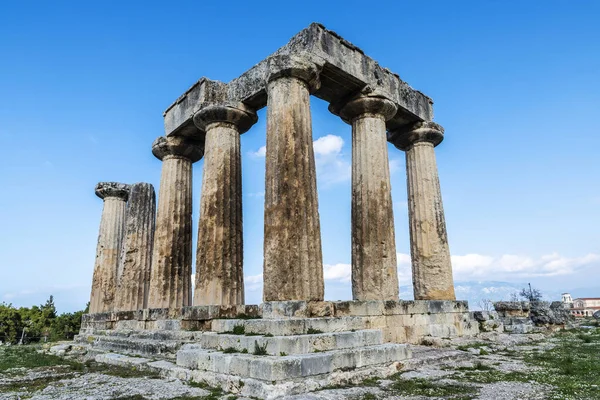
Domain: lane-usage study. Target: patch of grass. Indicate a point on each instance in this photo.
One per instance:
(282, 353)
(478, 366)
(28, 357)
(29, 385)
(368, 396)
(476, 345)
(239, 329)
(424, 387)
(230, 350)
(260, 350)
(370, 382)
(585, 338)
(268, 335)
(571, 368)
(311, 331)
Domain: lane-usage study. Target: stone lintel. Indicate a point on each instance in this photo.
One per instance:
(344, 71)
(179, 116)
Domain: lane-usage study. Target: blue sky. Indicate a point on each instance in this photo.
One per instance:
(516, 85)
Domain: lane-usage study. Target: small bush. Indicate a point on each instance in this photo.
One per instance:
(230, 350)
(239, 329)
(260, 350)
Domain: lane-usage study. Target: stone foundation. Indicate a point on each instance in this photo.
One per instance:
(277, 348)
(399, 321)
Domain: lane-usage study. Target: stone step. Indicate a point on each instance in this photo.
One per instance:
(298, 326)
(288, 345)
(274, 368)
(149, 334)
(142, 347)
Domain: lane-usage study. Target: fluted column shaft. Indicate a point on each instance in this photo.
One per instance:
(374, 269)
(219, 256)
(170, 277)
(110, 239)
(293, 266)
(136, 254)
(431, 263)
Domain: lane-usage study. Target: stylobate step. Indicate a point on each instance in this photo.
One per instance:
(144, 347)
(274, 368)
(287, 345)
(298, 326)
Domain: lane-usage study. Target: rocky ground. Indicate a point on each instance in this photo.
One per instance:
(564, 365)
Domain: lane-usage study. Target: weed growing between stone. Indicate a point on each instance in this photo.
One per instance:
(260, 350)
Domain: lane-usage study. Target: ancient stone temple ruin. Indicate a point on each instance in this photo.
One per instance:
(142, 301)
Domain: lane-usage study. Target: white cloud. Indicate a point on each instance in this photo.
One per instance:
(253, 283)
(333, 166)
(515, 267)
(395, 165)
(329, 144)
(261, 152)
(337, 272)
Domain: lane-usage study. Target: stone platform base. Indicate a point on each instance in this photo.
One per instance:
(279, 348)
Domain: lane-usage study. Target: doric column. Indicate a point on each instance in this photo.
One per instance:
(136, 253)
(170, 276)
(374, 269)
(293, 264)
(110, 239)
(431, 265)
(219, 256)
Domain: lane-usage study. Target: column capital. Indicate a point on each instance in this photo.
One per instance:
(177, 146)
(422, 131)
(293, 66)
(361, 106)
(112, 189)
(239, 115)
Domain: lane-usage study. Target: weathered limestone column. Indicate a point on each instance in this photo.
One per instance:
(374, 269)
(110, 238)
(293, 264)
(431, 265)
(219, 256)
(170, 276)
(136, 253)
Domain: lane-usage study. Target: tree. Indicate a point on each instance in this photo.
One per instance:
(486, 305)
(11, 324)
(530, 294)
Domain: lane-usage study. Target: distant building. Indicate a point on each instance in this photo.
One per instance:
(567, 300)
(581, 307)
